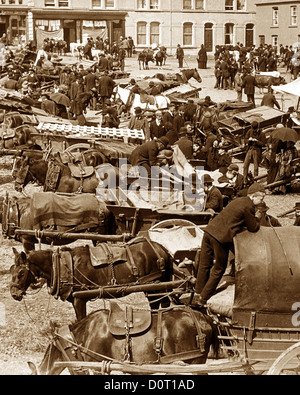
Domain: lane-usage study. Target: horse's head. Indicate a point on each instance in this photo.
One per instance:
(196, 75)
(22, 276)
(25, 167)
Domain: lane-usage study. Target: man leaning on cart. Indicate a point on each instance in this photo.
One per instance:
(218, 241)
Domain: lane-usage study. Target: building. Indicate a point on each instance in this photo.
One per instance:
(191, 23)
(166, 22)
(13, 19)
(277, 22)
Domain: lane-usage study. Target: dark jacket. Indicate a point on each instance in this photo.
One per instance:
(186, 146)
(214, 200)
(232, 219)
(259, 136)
(249, 84)
(147, 153)
(157, 130)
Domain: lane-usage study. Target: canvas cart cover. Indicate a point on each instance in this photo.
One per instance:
(50, 209)
(267, 275)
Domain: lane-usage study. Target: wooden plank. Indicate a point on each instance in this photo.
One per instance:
(130, 368)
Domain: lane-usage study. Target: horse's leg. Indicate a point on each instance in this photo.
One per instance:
(80, 308)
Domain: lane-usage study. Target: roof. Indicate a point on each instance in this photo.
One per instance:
(292, 88)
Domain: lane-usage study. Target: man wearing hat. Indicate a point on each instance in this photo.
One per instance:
(218, 241)
(213, 198)
(185, 143)
(140, 122)
(265, 219)
(157, 127)
(146, 154)
(255, 140)
(234, 178)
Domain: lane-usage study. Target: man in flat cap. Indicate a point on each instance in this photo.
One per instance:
(218, 237)
(255, 140)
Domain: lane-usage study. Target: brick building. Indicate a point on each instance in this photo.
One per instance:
(278, 22)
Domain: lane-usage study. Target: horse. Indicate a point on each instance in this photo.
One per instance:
(160, 56)
(139, 261)
(53, 174)
(76, 213)
(144, 58)
(60, 47)
(167, 335)
(187, 74)
(20, 136)
(266, 80)
(145, 102)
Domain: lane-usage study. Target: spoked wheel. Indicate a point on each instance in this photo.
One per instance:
(80, 147)
(287, 363)
(171, 223)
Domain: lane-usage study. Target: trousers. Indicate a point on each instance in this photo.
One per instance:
(212, 266)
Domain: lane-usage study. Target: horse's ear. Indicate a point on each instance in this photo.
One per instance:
(15, 252)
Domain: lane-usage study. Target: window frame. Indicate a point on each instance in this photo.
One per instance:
(293, 15)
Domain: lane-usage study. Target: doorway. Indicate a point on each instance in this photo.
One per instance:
(208, 37)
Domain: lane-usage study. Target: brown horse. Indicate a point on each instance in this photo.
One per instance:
(187, 74)
(166, 335)
(20, 213)
(139, 261)
(54, 175)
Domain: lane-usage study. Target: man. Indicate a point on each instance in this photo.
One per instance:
(146, 154)
(265, 219)
(249, 85)
(269, 100)
(106, 86)
(140, 122)
(238, 83)
(213, 198)
(157, 128)
(234, 178)
(218, 237)
(180, 56)
(185, 143)
(255, 140)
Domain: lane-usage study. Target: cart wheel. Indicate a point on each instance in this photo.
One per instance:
(288, 362)
(171, 223)
(80, 147)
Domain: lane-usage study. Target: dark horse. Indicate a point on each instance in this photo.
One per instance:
(166, 335)
(144, 58)
(138, 261)
(187, 74)
(64, 214)
(54, 175)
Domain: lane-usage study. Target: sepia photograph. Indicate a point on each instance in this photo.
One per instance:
(149, 190)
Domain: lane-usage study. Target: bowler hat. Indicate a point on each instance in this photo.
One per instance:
(164, 140)
(254, 125)
(207, 179)
(138, 110)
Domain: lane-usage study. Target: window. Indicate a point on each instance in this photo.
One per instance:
(199, 4)
(187, 4)
(141, 33)
(49, 3)
(109, 3)
(63, 3)
(275, 42)
(241, 5)
(154, 33)
(275, 16)
(229, 5)
(154, 5)
(96, 3)
(142, 4)
(294, 15)
(229, 33)
(193, 4)
(187, 33)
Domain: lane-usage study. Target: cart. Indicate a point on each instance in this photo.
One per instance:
(262, 336)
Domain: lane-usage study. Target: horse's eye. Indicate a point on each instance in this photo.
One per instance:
(21, 274)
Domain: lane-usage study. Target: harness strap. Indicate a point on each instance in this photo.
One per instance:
(132, 263)
(160, 260)
(158, 341)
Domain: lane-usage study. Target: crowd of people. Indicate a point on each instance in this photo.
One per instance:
(235, 66)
